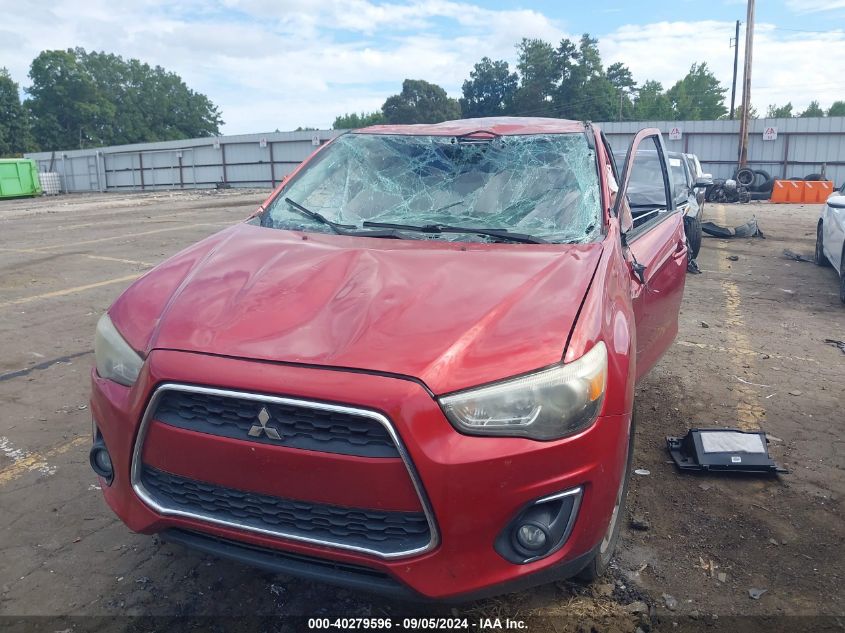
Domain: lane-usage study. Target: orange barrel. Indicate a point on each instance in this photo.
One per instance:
(825, 188)
(795, 191)
(780, 191)
(811, 192)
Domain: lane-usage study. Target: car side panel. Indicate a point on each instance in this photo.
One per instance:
(662, 250)
(833, 231)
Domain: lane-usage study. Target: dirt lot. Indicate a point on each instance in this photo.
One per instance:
(760, 319)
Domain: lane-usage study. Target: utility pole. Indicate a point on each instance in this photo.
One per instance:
(735, 46)
(746, 86)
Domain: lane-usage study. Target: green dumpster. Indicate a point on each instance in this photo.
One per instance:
(18, 178)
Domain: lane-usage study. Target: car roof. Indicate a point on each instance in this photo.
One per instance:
(500, 126)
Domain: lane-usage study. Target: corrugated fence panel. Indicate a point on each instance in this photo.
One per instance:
(802, 147)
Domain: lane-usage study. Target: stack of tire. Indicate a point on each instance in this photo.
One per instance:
(760, 183)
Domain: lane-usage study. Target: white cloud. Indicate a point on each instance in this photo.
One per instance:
(786, 65)
(274, 64)
(815, 6)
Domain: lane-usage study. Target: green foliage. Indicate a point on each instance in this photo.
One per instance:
(752, 112)
(79, 99)
(540, 74)
(779, 112)
(14, 123)
(354, 120)
(813, 110)
(652, 103)
(698, 96)
(837, 109)
(490, 89)
(569, 82)
(420, 102)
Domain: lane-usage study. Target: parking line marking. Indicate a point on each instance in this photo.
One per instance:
(32, 251)
(749, 411)
(41, 249)
(743, 352)
(69, 291)
(37, 461)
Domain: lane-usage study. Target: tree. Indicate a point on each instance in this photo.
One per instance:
(813, 110)
(699, 95)
(353, 121)
(652, 103)
(420, 102)
(752, 112)
(14, 123)
(539, 74)
(779, 112)
(837, 109)
(490, 89)
(80, 99)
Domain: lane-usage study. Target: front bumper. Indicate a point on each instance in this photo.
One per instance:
(473, 485)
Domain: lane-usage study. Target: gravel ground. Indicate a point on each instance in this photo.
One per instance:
(750, 354)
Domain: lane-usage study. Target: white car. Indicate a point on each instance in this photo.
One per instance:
(830, 237)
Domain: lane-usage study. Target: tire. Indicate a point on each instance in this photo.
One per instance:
(604, 552)
(761, 180)
(842, 277)
(813, 177)
(692, 227)
(744, 176)
(819, 257)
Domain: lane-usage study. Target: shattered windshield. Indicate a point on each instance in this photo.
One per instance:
(542, 185)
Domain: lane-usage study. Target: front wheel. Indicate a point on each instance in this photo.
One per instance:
(692, 227)
(604, 553)
(819, 257)
(842, 278)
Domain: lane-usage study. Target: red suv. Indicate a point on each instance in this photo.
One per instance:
(411, 370)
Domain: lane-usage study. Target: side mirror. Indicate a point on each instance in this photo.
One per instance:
(704, 180)
(836, 201)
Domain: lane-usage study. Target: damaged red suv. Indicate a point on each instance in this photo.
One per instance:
(411, 370)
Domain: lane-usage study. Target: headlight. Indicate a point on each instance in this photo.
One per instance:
(546, 405)
(115, 359)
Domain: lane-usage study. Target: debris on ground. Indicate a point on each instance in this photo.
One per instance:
(836, 343)
(705, 324)
(796, 256)
(733, 258)
(749, 229)
(636, 607)
(639, 522)
(755, 593)
(670, 602)
(723, 450)
(642, 471)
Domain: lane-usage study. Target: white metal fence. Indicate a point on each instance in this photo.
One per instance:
(800, 147)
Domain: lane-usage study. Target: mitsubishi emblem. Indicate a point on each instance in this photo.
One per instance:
(261, 427)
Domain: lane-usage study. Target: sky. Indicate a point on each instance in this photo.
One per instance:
(280, 64)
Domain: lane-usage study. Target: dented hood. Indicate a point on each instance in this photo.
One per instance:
(453, 315)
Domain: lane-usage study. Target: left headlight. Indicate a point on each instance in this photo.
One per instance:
(547, 405)
(116, 360)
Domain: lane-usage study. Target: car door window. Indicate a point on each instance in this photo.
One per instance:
(647, 185)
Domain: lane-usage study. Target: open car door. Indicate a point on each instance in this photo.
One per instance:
(655, 248)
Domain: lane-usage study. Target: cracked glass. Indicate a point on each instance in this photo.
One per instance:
(544, 185)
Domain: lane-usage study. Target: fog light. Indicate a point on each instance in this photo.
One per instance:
(540, 528)
(101, 461)
(532, 536)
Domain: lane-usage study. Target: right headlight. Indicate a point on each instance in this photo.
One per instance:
(546, 405)
(116, 360)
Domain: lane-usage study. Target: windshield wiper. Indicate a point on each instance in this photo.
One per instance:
(340, 229)
(502, 234)
(345, 229)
